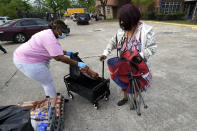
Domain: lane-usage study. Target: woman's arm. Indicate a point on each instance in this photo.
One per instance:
(111, 45)
(66, 60)
(150, 45)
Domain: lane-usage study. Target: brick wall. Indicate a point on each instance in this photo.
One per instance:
(111, 5)
(108, 11)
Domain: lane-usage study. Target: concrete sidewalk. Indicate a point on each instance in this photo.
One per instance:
(171, 99)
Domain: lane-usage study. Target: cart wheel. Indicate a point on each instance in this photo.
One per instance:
(106, 98)
(96, 106)
(145, 107)
(70, 95)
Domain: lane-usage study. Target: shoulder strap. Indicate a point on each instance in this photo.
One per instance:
(122, 41)
(140, 38)
(117, 44)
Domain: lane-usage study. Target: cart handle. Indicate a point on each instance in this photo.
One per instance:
(103, 62)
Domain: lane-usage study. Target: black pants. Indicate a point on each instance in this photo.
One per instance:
(2, 49)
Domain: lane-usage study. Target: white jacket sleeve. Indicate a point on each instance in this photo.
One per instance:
(111, 45)
(150, 45)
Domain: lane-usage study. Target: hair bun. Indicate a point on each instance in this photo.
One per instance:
(58, 24)
(52, 25)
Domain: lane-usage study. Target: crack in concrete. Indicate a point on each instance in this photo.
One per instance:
(8, 81)
(86, 57)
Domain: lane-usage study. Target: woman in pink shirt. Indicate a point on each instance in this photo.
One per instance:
(32, 58)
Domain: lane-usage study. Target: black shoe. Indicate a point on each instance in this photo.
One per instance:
(122, 102)
(66, 100)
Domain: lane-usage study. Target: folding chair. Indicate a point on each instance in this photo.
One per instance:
(135, 94)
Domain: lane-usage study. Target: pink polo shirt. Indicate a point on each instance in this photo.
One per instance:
(40, 48)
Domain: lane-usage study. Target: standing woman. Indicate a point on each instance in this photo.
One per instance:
(32, 58)
(133, 32)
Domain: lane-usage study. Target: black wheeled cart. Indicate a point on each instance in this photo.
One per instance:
(91, 89)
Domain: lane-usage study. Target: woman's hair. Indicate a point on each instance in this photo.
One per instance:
(129, 16)
(58, 24)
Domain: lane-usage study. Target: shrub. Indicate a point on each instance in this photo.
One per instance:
(171, 16)
(195, 19)
(159, 16)
(148, 15)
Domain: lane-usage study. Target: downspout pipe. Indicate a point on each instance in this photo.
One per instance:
(194, 13)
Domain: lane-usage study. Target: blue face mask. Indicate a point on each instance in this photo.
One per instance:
(62, 36)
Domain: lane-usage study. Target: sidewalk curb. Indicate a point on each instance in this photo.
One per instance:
(185, 25)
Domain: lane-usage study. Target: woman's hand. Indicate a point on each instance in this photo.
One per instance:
(69, 53)
(103, 57)
(81, 65)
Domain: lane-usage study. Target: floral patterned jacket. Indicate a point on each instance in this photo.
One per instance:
(145, 35)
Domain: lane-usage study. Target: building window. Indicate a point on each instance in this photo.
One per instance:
(108, 10)
(170, 7)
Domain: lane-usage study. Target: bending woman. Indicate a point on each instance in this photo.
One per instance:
(32, 58)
